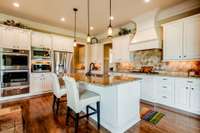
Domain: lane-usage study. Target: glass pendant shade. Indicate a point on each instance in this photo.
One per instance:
(88, 39)
(110, 31)
(75, 44)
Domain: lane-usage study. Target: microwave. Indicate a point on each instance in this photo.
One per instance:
(41, 67)
(41, 53)
(12, 59)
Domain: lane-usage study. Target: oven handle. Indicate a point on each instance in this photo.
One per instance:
(16, 54)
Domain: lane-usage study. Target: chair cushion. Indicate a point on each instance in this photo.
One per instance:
(61, 92)
(87, 97)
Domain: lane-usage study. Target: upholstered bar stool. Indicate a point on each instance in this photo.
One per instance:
(78, 101)
(58, 91)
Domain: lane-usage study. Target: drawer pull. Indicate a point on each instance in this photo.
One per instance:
(164, 86)
(190, 82)
(165, 97)
(164, 79)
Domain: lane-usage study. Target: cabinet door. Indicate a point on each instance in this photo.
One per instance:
(2, 36)
(23, 40)
(36, 84)
(47, 83)
(191, 49)
(182, 91)
(148, 89)
(36, 39)
(195, 96)
(173, 40)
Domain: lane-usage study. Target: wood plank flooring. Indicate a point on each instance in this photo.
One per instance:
(39, 118)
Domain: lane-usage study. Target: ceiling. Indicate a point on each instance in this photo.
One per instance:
(50, 11)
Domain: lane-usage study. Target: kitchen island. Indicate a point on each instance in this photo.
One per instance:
(120, 100)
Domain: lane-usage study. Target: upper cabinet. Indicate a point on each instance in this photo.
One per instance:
(15, 38)
(62, 43)
(95, 53)
(41, 40)
(181, 39)
(120, 49)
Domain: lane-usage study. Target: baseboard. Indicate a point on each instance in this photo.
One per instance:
(172, 109)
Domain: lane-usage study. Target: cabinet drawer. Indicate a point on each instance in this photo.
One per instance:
(165, 81)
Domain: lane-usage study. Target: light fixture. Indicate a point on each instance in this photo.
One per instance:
(111, 18)
(75, 13)
(91, 28)
(15, 4)
(88, 35)
(62, 19)
(147, 1)
(110, 25)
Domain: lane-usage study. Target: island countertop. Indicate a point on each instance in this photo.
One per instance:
(103, 80)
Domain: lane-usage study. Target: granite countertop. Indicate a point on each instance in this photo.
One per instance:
(163, 73)
(103, 80)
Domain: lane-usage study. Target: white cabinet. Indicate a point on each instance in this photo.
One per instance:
(41, 40)
(40, 83)
(182, 90)
(15, 38)
(195, 96)
(187, 95)
(173, 40)
(120, 49)
(191, 49)
(181, 39)
(61, 43)
(165, 91)
(96, 53)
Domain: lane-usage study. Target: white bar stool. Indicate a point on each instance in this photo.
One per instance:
(78, 101)
(58, 91)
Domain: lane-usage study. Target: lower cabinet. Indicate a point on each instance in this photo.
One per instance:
(165, 91)
(40, 83)
(187, 95)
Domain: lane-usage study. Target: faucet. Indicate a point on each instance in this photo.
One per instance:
(91, 67)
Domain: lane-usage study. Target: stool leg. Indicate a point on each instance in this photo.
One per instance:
(54, 101)
(98, 114)
(76, 122)
(58, 103)
(68, 114)
(87, 111)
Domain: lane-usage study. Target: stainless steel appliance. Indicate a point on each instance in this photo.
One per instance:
(14, 82)
(41, 53)
(41, 67)
(62, 62)
(11, 59)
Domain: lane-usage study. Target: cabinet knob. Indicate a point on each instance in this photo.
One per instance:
(179, 56)
(192, 88)
(187, 88)
(185, 56)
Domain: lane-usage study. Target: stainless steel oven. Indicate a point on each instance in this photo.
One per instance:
(41, 53)
(14, 82)
(41, 67)
(11, 59)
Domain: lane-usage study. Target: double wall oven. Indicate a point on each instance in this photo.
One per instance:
(14, 72)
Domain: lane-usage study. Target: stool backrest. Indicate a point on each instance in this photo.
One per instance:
(55, 84)
(72, 93)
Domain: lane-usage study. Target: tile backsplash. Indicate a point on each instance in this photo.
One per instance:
(154, 58)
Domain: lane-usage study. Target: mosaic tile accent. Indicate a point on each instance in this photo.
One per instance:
(154, 58)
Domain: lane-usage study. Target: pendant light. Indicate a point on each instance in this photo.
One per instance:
(110, 25)
(75, 11)
(88, 35)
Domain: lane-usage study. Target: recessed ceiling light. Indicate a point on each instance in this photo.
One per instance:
(111, 18)
(62, 19)
(15, 4)
(147, 1)
(91, 28)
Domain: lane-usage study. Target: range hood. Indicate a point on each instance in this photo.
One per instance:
(146, 36)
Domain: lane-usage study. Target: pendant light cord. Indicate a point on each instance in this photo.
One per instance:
(110, 13)
(75, 10)
(88, 17)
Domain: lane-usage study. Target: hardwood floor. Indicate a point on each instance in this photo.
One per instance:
(39, 118)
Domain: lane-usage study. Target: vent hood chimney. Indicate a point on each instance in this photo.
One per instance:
(146, 36)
